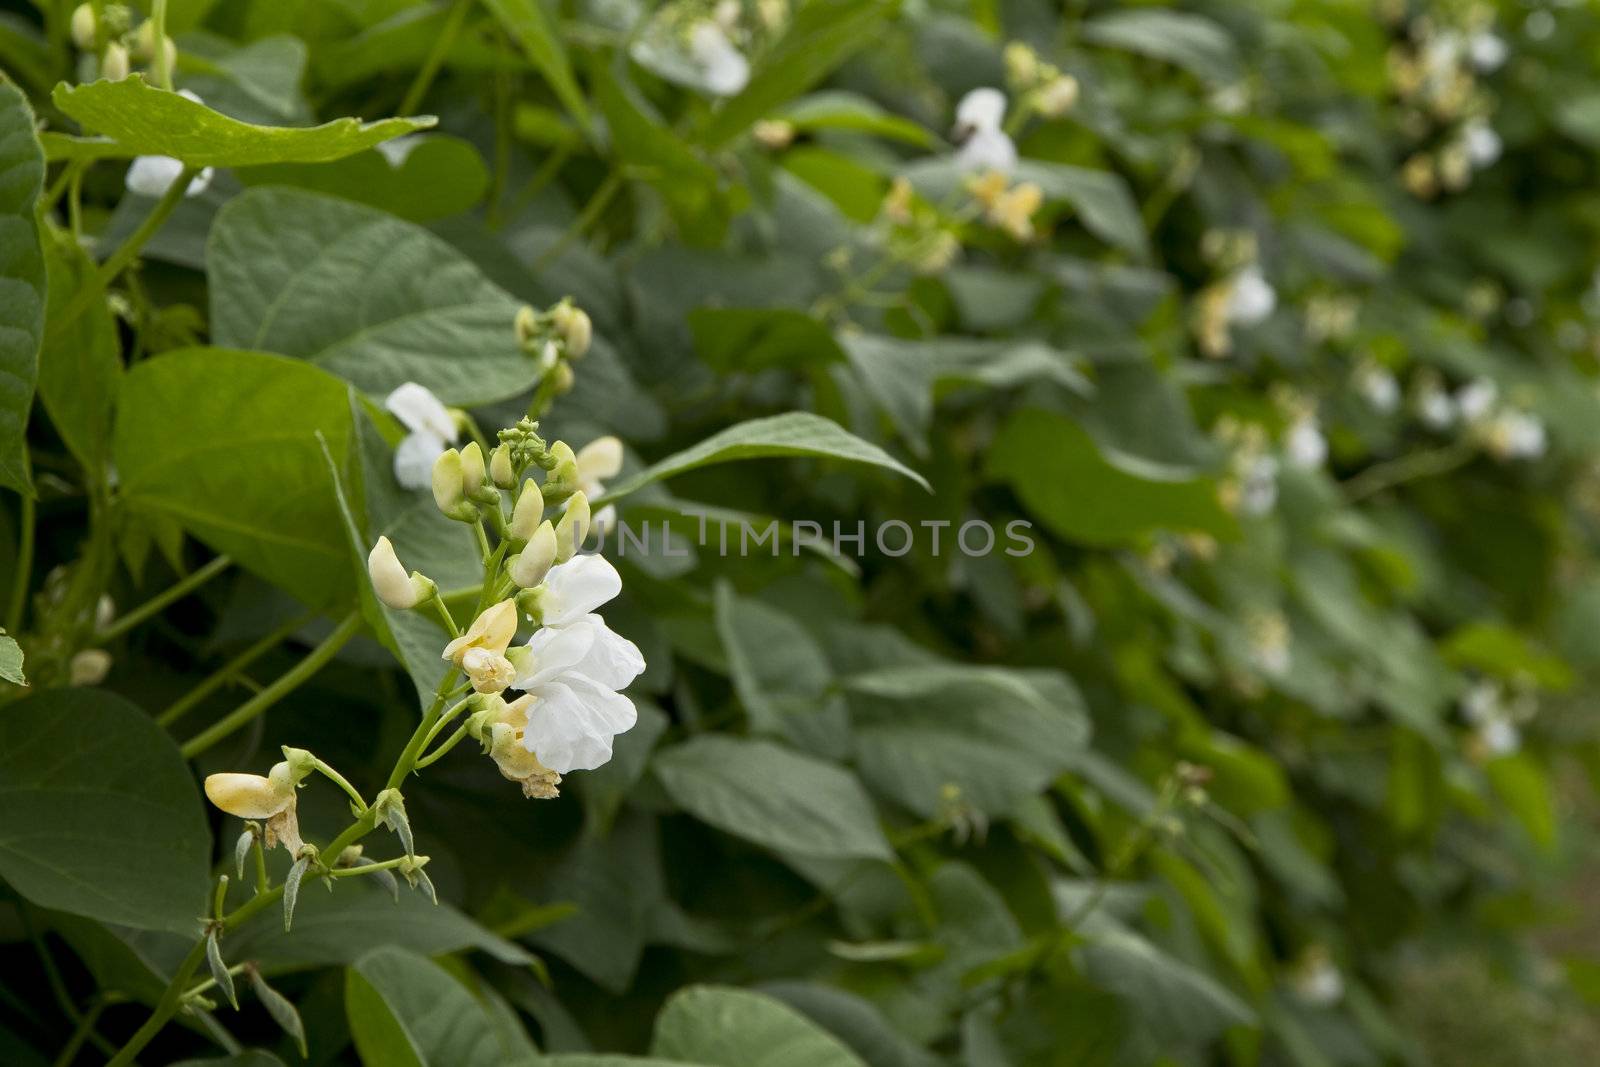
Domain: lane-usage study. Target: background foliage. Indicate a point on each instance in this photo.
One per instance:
(1258, 758)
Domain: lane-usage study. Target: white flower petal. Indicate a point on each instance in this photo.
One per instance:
(725, 68)
(414, 459)
(611, 659)
(986, 150)
(599, 459)
(575, 588)
(418, 409)
(981, 109)
(553, 651)
(152, 176)
(1252, 298)
(572, 723)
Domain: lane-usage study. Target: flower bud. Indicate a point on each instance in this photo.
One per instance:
(562, 379)
(501, 472)
(89, 667)
(473, 472)
(83, 27)
(573, 324)
(527, 513)
(562, 479)
(298, 763)
(529, 566)
(573, 527)
(114, 63)
(492, 630)
(447, 487)
(252, 796)
(390, 581)
(527, 326)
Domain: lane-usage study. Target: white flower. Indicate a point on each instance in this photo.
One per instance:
(586, 646)
(1435, 408)
(1251, 298)
(1475, 399)
(1269, 643)
(1498, 737)
(1258, 487)
(572, 721)
(1482, 143)
(597, 460)
(725, 68)
(985, 145)
(1516, 435)
(433, 430)
(1379, 388)
(1304, 444)
(1316, 981)
(1487, 51)
(577, 587)
(152, 176)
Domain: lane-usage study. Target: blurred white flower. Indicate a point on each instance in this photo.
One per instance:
(1514, 434)
(1304, 443)
(433, 430)
(1435, 408)
(1379, 387)
(1316, 981)
(1258, 486)
(1476, 399)
(984, 143)
(1251, 298)
(1482, 143)
(598, 460)
(1488, 51)
(724, 67)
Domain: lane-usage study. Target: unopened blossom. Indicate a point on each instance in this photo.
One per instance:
(152, 176)
(1514, 434)
(1057, 96)
(599, 461)
(723, 67)
(114, 67)
(252, 796)
(1304, 444)
(89, 666)
(83, 27)
(530, 566)
(432, 429)
(574, 326)
(1435, 407)
(527, 512)
(1268, 634)
(1481, 142)
(984, 143)
(390, 582)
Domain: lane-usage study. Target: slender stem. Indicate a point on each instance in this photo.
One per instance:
(370, 868)
(1409, 468)
(444, 720)
(275, 692)
(80, 1034)
(430, 66)
(443, 611)
(158, 38)
(166, 1007)
(591, 211)
(200, 987)
(262, 882)
(451, 742)
(177, 591)
(220, 900)
(231, 668)
(125, 253)
(19, 580)
(339, 780)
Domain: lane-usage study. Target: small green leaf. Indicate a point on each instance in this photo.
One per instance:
(1192, 42)
(22, 282)
(219, 969)
(241, 850)
(839, 110)
(99, 814)
(723, 1027)
(404, 1008)
(291, 889)
(11, 660)
(772, 796)
(154, 122)
(436, 176)
(797, 433)
(281, 1009)
(80, 363)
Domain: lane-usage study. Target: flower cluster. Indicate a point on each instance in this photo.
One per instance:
(1043, 87)
(116, 41)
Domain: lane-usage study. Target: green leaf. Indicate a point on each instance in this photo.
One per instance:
(80, 363)
(796, 433)
(154, 122)
(997, 735)
(1502, 651)
(724, 1027)
(1524, 787)
(11, 660)
(749, 340)
(1176, 1004)
(364, 295)
(437, 176)
(1192, 42)
(781, 675)
(219, 969)
(772, 796)
(99, 815)
(406, 1009)
(533, 29)
(225, 443)
(821, 36)
(22, 282)
(282, 1010)
(249, 1058)
(1062, 478)
(838, 110)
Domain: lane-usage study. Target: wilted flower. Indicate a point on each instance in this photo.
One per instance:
(251, 796)
(432, 430)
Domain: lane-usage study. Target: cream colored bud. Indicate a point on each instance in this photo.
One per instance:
(501, 471)
(89, 667)
(114, 63)
(447, 494)
(572, 322)
(252, 796)
(527, 513)
(83, 27)
(490, 672)
(492, 631)
(473, 471)
(573, 527)
(1057, 96)
(774, 134)
(527, 325)
(390, 581)
(529, 566)
(562, 479)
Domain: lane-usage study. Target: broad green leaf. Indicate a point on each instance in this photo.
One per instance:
(1192, 42)
(420, 179)
(797, 433)
(255, 82)
(995, 734)
(1177, 1005)
(1502, 651)
(364, 295)
(22, 282)
(99, 815)
(854, 1020)
(405, 1009)
(533, 28)
(821, 35)
(1524, 787)
(724, 1027)
(1055, 468)
(781, 675)
(63, 147)
(80, 363)
(11, 660)
(225, 443)
(772, 796)
(154, 122)
(594, 1059)
(249, 1058)
(838, 110)
(749, 340)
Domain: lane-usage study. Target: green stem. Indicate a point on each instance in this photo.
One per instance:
(19, 580)
(1409, 468)
(430, 66)
(158, 38)
(275, 692)
(125, 253)
(223, 674)
(591, 211)
(167, 1006)
(262, 882)
(451, 742)
(177, 591)
(80, 1034)
(339, 780)
(370, 868)
(443, 610)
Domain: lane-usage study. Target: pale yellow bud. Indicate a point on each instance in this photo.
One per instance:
(500, 470)
(89, 667)
(1057, 96)
(390, 581)
(527, 513)
(252, 796)
(573, 527)
(490, 672)
(527, 325)
(529, 566)
(572, 322)
(473, 471)
(773, 133)
(83, 27)
(447, 492)
(491, 631)
(562, 478)
(114, 64)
